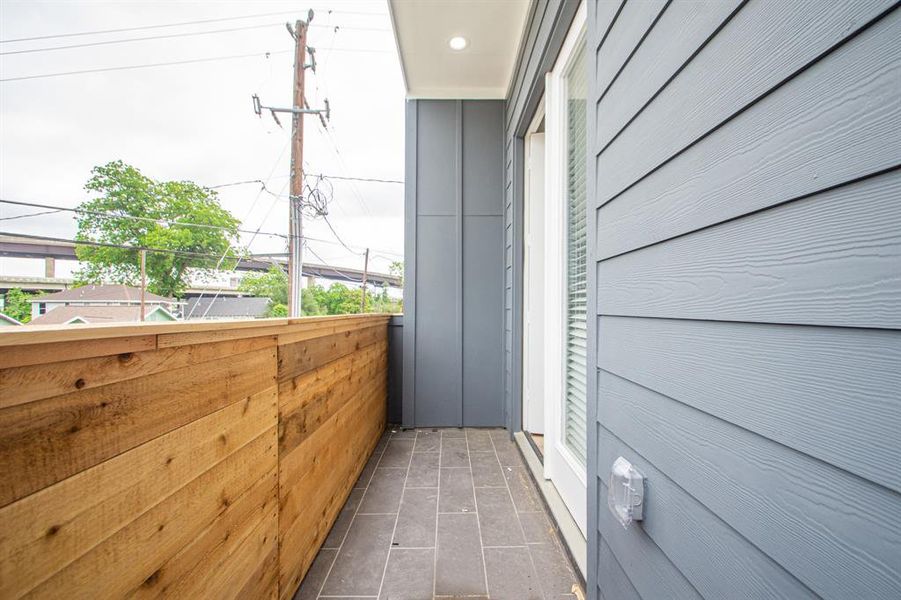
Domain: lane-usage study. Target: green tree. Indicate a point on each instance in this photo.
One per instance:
(273, 284)
(16, 305)
(125, 192)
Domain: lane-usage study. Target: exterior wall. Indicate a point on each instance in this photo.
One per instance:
(746, 235)
(546, 28)
(454, 267)
(395, 368)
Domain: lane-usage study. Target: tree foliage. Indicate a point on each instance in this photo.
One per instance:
(16, 305)
(124, 191)
(337, 299)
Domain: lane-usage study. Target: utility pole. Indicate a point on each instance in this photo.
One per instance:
(295, 214)
(143, 279)
(298, 109)
(365, 270)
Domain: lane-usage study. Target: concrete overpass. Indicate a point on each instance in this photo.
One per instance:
(52, 249)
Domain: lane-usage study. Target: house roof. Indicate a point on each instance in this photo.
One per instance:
(94, 314)
(8, 320)
(226, 307)
(483, 69)
(102, 293)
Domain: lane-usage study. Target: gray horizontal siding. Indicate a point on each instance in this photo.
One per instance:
(747, 241)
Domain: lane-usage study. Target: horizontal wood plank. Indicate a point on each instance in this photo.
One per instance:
(46, 531)
(298, 358)
(762, 45)
(48, 440)
(48, 353)
(801, 139)
(24, 384)
(832, 259)
(801, 512)
(161, 531)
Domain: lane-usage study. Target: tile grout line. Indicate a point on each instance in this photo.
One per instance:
(518, 519)
(437, 503)
(476, 504)
(354, 518)
(403, 491)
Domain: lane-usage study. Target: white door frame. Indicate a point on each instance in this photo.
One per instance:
(533, 416)
(560, 465)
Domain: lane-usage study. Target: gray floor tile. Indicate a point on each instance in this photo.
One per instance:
(507, 453)
(537, 528)
(403, 434)
(557, 577)
(522, 488)
(383, 495)
(510, 574)
(309, 588)
(453, 432)
(497, 518)
(428, 441)
(368, 470)
(416, 521)
(410, 575)
(454, 452)
(498, 433)
(397, 454)
(479, 440)
(423, 470)
(459, 568)
(361, 561)
(342, 523)
(486, 471)
(455, 493)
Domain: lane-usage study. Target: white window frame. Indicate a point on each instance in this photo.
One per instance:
(560, 465)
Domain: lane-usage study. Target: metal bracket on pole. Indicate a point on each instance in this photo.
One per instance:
(258, 109)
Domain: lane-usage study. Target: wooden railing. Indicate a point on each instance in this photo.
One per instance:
(192, 460)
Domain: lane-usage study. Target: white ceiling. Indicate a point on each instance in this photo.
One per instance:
(422, 29)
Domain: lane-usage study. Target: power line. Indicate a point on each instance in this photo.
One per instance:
(167, 36)
(163, 25)
(147, 66)
(36, 214)
(181, 62)
(337, 237)
(370, 179)
(313, 252)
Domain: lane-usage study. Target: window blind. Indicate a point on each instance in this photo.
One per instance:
(576, 338)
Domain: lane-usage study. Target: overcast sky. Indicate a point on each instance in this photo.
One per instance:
(195, 121)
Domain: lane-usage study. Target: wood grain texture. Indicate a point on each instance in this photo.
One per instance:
(42, 353)
(828, 392)
(710, 558)
(763, 44)
(632, 24)
(20, 385)
(296, 359)
(801, 512)
(49, 440)
(803, 138)
(831, 259)
(682, 29)
(158, 475)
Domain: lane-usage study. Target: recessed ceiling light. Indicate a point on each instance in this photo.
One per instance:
(458, 42)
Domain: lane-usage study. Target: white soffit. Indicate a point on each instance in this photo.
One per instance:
(423, 29)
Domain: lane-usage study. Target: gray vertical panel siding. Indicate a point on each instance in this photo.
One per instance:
(453, 341)
(437, 360)
(759, 423)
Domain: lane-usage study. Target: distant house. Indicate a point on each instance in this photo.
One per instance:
(8, 320)
(79, 315)
(101, 295)
(226, 308)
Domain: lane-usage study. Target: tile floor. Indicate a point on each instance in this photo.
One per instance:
(445, 513)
